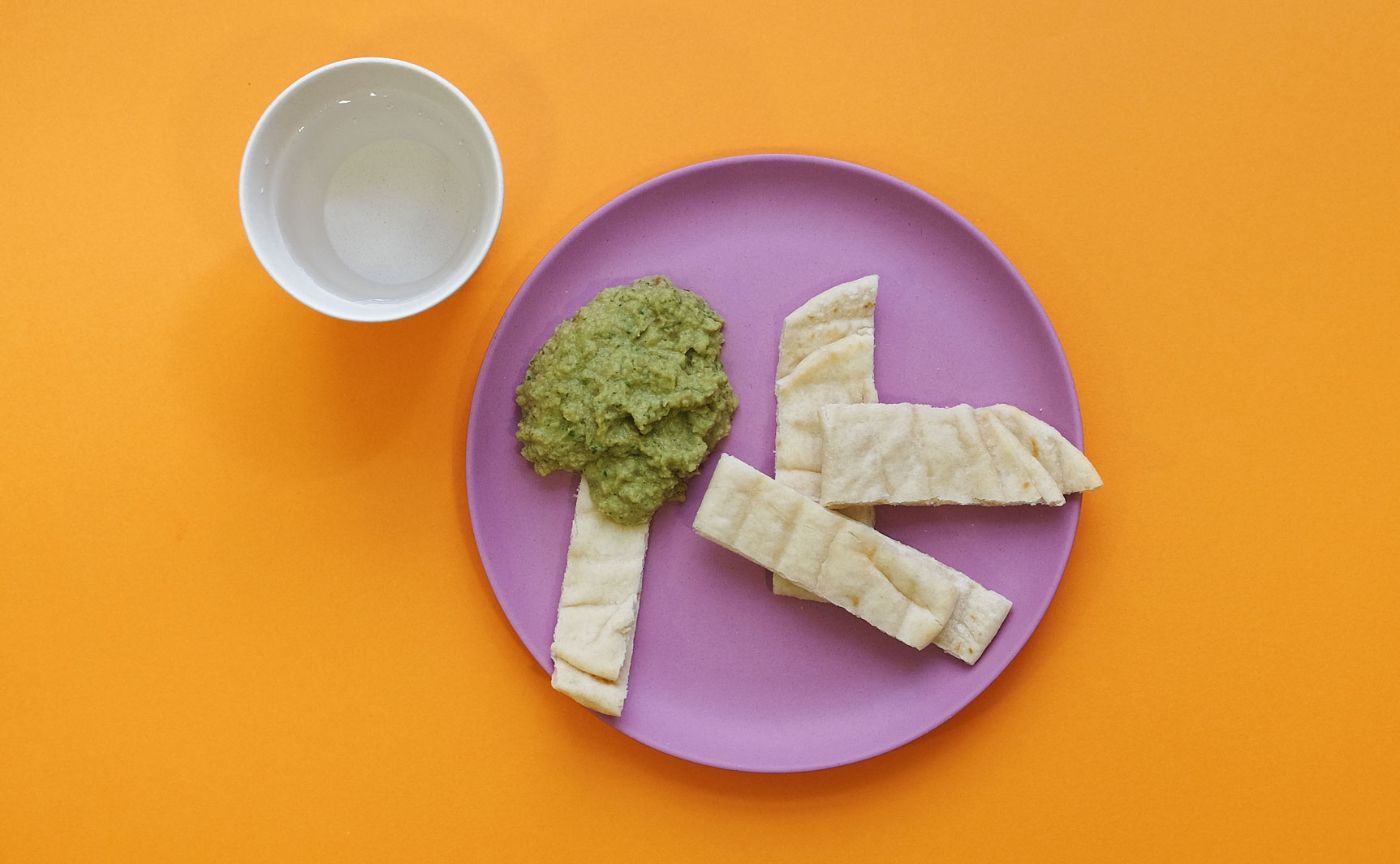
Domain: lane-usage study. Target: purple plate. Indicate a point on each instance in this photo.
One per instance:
(726, 673)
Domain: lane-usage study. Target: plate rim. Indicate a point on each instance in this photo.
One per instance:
(1075, 434)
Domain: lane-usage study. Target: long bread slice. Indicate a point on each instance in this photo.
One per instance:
(899, 590)
(826, 355)
(597, 621)
(918, 454)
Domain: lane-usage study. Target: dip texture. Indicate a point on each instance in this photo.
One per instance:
(630, 393)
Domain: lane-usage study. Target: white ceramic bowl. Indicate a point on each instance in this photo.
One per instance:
(371, 189)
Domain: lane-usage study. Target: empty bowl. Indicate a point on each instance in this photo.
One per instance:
(371, 189)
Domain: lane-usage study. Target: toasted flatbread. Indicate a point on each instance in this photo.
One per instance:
(598, 604)
(917, 454)
(899, 590)
(605, 697)
(826, 355)
(836, 312)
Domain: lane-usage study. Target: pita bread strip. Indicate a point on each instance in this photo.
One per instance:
(917, 454)
(899, 590)
(598, 604)
(826, 354)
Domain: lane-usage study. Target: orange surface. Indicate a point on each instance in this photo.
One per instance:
(241, 614)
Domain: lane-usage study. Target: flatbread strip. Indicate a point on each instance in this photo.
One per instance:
(901, 591)
(598, 604)
(918, 454)
(826, 355)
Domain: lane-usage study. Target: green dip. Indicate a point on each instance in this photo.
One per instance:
(630, 393)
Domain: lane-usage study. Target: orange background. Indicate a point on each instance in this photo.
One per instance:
(241, 614)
